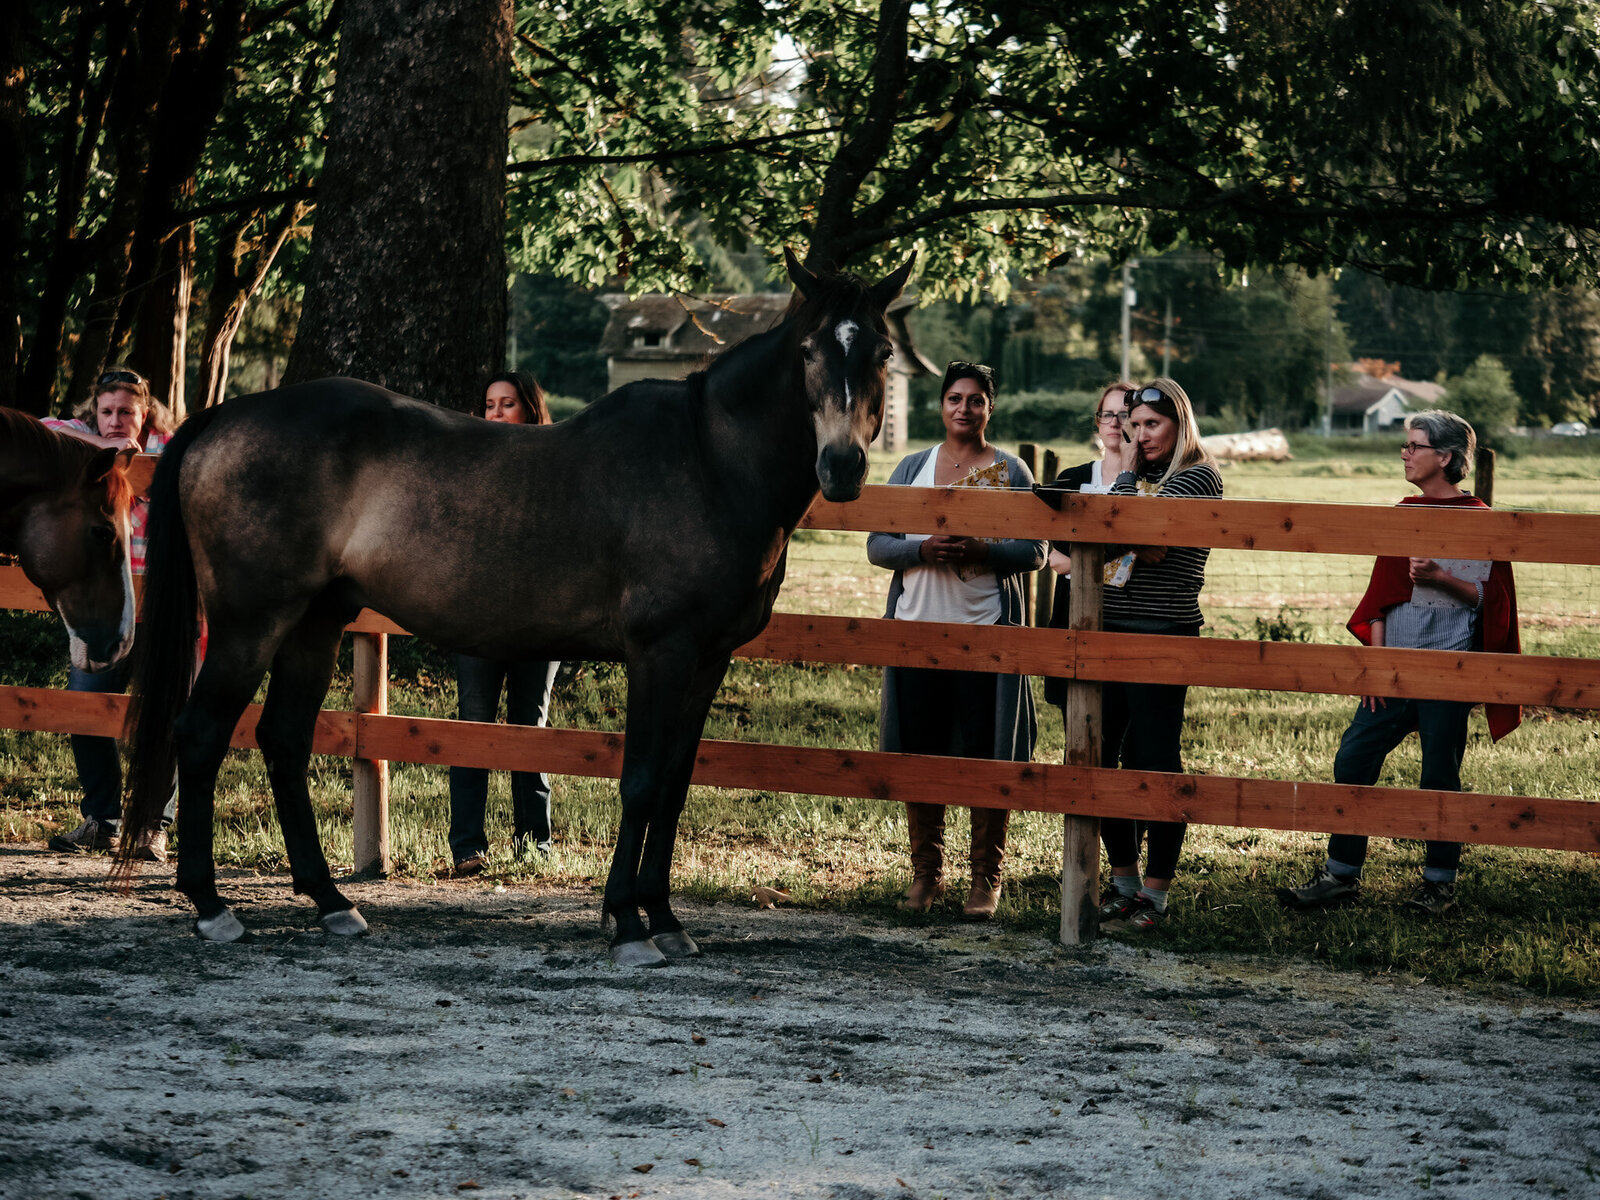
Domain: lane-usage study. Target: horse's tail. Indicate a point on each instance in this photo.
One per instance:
(164, 652)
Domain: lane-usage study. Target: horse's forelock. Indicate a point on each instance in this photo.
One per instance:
(833, 298)
(119, 492)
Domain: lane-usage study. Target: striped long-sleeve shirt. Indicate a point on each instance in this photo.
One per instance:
(1170, 589)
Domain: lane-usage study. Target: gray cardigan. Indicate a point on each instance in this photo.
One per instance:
(1013, 561)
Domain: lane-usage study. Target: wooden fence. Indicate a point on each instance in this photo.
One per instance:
(1079, 789)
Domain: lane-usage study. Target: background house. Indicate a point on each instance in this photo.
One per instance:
(1364, 404)
(668, 337)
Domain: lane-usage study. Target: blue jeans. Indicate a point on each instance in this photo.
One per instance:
(1442, 726)
(527, 687)
(99, 766)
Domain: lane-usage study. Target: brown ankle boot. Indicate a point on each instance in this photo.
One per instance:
(988, 850)
(926, 823)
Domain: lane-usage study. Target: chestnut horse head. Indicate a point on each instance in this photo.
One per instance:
(64, 515)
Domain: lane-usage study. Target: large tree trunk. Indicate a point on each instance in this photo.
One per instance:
(13, 104)
(407, 277)
(161, 320)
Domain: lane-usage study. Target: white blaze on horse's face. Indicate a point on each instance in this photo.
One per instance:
(845, 380)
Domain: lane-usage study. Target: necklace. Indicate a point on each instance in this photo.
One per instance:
(963, 466)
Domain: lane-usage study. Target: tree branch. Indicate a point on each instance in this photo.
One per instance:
(704, 150)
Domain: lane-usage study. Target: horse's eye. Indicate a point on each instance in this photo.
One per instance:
(885, 352)
(103, 534)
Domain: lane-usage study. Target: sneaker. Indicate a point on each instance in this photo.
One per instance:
(1433, 898)
(1324, 891)
(1114, 906)
(151, 846)
(1139, 916)
(91, 835)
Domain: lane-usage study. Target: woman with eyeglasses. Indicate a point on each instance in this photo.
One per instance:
(120, 415)
(1423, 604)
(510, 399)
(1151, 589)
(1094, 476)
(975, 581)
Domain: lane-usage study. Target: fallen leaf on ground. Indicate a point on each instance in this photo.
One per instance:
(717, 1123)
(901, 1182)
(813, 1078)
(469, 1185)
(569, 1093)
(698, 1039)
(645, 1168)
(691, 1162)
(768, 897)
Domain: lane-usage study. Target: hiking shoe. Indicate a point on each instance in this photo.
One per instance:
(1433, 898)
(1142, 916)
(91, 835)
(1114, 906)
(1324, 891)
(151, 846)
(471, 865)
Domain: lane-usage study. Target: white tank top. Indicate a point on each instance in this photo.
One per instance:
(936, 592)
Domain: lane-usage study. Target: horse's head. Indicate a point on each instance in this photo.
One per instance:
(844, 351)
(72, 544)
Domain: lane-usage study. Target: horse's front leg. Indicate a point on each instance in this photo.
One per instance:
(301, 672)
(655, 871)
(656, 677)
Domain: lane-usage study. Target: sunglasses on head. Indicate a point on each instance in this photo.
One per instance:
(957, 364)
(109, 377)
(1148, 395)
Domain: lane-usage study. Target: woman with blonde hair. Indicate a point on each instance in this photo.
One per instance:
(1151, 589)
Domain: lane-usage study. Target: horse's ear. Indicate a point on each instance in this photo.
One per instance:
(798, 275)
(98, 467)
(888, 290)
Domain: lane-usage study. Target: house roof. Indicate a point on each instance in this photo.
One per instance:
(695, 329)
(1360, 393)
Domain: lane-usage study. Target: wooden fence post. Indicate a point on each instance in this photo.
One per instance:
(1045, 582)
(1483, 475)
(1028, 452)
(370, 777)
(1080, 836)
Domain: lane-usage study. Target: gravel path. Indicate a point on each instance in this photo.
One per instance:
(479, 1044)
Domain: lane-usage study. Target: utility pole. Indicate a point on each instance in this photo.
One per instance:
(1166, 342)
(1327, 354)
(1128, 300)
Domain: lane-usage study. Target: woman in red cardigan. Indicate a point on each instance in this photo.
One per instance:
(1423, 604)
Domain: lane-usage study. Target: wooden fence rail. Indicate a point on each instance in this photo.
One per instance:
(1080, 789)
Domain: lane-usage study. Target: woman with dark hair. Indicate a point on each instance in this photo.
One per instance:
(1422, 604)
(978, 581)
(121, 414)
(1151, 589)
(512, 399)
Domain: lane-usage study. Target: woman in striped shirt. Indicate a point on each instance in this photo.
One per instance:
(1152, 589)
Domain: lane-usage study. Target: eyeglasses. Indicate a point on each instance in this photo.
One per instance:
(957, 364)
(1411, 448)
(1111, 418)
(1148, 395)
(118, 376)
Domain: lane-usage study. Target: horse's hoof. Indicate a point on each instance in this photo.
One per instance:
(346, 922)
(676, 944)
(224, 927)
(638, 954)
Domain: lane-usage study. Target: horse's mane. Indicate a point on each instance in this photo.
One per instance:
(40, 458)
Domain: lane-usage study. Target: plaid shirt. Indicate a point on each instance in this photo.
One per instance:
(139, 513)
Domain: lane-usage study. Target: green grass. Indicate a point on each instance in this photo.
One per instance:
(1526, 919)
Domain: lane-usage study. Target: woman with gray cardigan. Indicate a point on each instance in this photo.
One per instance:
(976, 581)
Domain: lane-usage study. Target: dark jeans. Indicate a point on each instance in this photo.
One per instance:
(1442, 726)
(527, 687)
(946, 712)
(99, 767)
(1140, 727)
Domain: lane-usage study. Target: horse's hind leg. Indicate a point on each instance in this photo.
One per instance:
(655, 870)
(229, 678)
(301, 671)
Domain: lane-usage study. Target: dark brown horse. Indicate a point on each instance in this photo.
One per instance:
(64, 515)
(652, 527)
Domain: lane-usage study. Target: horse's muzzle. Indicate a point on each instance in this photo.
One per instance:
(841, 470)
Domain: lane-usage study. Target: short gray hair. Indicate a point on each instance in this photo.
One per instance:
(1448, 434)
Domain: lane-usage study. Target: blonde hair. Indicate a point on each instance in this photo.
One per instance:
(1188, 449)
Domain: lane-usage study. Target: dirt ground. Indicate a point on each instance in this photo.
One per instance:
(479, 1043)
